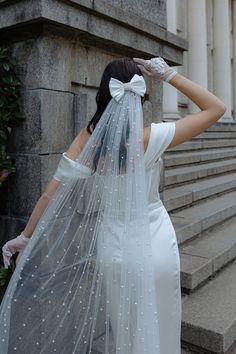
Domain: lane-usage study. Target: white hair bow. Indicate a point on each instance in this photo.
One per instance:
(136, 84)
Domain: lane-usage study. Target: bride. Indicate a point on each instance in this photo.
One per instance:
(98, 262)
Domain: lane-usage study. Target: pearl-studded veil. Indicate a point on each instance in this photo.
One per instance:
(85, 279)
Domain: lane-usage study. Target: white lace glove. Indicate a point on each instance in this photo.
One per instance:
(156, 68)
(17, 244)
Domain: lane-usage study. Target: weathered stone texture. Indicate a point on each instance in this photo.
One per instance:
(142, 9)
(48, 127)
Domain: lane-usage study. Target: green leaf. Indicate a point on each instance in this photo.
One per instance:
(10, 111)
(3, 135)
(6, 66)
(5, 275)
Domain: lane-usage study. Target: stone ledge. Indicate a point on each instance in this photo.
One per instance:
(205, 256)
(176, 159)
(192, 221)
(133, 33)
(113, 13)
(200, 144)
(185, 195)
(201, 170)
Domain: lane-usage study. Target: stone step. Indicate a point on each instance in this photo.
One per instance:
(202, 257)
(223, 126)
(189, 173)
(176, 159)
(209, 314)
(184, 195)
(216, 135)
(218, 126)
(202, 144)
(191, 221)
(208, 317)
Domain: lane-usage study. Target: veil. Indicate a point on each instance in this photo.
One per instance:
(85, 279)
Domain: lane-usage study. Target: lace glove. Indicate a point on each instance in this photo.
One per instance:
(17, 244)
(156, 68)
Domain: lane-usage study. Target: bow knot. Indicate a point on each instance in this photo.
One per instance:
(127, 86)
(118, 88)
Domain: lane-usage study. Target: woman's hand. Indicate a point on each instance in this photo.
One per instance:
(17, 244)
(156, 68)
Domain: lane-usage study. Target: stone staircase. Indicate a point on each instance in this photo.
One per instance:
(200, 196)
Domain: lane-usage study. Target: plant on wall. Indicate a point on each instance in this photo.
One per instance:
(5, 276)
(10, 113)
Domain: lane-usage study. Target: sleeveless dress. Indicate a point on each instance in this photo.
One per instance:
(164, 242)
(164, 248)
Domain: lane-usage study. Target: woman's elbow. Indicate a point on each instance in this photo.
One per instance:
(219, 110)
(222, 109)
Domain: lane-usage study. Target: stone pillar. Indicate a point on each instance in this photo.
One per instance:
(197, 55)
(210, 44)
(170, 94)
(234, 58)
(222, 76)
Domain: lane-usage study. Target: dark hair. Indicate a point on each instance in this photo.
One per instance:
(121, 69)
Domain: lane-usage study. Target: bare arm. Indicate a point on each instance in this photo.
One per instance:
(73, 151)
(40, 207)
(193, 124)
(212, 109)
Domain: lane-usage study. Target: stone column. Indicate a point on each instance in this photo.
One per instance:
(222, 76)
(197, 54)
(234, 59)
(170, 94)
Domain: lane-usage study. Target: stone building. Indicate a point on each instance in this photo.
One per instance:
(62, 48)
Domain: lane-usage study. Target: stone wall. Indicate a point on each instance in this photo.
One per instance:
(62, 48)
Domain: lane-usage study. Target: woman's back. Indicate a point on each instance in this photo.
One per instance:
(161, 135)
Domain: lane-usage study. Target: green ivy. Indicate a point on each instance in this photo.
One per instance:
(5, 276)
(10, 113)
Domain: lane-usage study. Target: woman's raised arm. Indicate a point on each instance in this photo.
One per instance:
(212, 109)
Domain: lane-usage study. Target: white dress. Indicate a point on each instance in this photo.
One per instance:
(164, 247)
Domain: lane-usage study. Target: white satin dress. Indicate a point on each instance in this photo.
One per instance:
(164, 247)
(164, 242)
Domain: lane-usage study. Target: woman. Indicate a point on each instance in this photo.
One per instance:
(98, 259)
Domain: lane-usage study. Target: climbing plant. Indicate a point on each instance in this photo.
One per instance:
(10, 112)
(5, 276)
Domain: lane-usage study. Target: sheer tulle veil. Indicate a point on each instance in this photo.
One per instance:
(86, 274)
